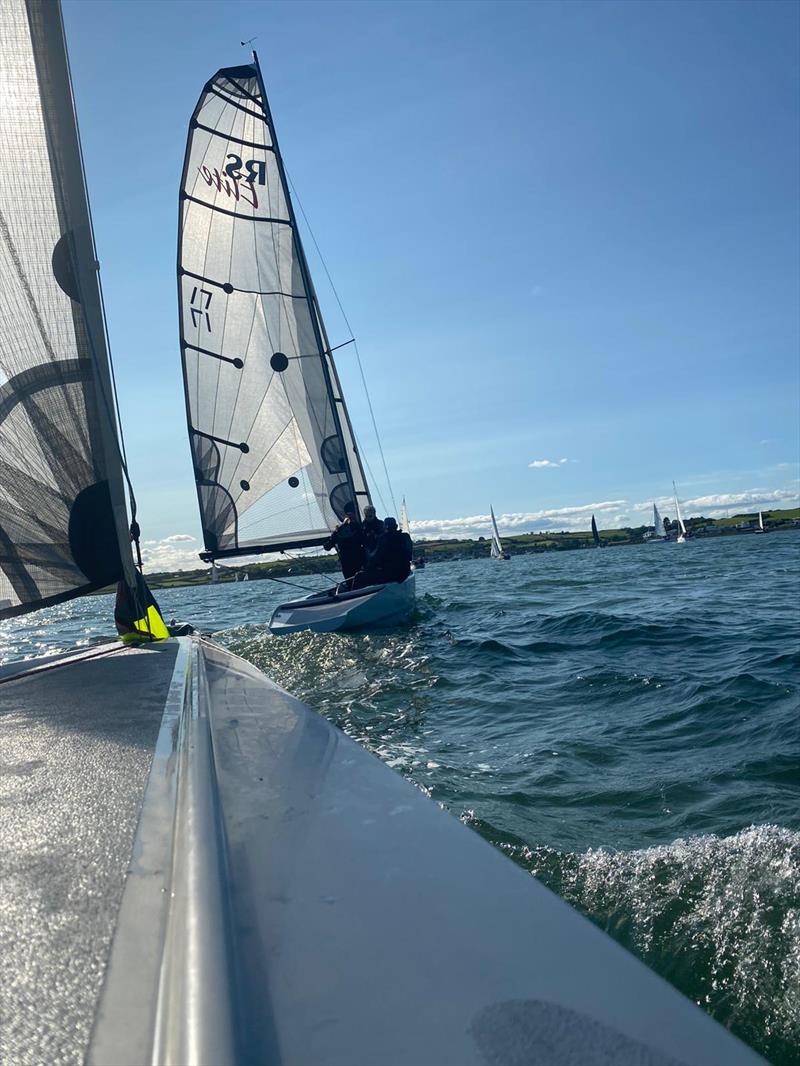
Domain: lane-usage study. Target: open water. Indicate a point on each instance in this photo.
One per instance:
(625, 724)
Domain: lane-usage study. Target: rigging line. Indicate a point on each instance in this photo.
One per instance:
(294, 584)
(374, 480)
(308, 559)
(355, 346)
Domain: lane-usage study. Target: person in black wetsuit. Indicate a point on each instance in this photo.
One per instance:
(373, 530)
(348, 540)
(391, 561)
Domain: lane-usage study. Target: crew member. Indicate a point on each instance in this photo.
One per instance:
(392, 558)
(373, 530)
(348, 540)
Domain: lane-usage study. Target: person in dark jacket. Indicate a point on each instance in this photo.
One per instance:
(373, 530)
(391, 561)
(348, 540)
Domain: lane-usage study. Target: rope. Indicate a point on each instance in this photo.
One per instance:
(308, 559)
(355, 345)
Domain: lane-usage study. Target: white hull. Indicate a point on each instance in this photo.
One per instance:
(376, 605)
(681, 539)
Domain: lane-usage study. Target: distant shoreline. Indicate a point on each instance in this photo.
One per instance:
(516, 544)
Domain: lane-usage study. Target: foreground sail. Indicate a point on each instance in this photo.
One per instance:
(63, 521)
(275, 458)
(63, 524)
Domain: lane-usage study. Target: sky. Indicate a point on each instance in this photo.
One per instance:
(566, 236)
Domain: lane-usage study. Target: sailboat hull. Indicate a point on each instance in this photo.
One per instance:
(376, 605)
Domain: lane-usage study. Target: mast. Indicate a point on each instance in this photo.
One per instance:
(328, 365)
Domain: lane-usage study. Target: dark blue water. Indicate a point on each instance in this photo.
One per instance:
(623, 723)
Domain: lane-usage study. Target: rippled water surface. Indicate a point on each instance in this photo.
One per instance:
(624, 723)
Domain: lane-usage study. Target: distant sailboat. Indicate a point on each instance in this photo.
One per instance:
(405, 525)
(760, 528)
(681, 527)
(595, 534)
(497, 550)
(246, 577)
(657, 536)
(214, 574)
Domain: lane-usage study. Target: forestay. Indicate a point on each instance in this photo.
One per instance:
(63, 524)
(274, 454)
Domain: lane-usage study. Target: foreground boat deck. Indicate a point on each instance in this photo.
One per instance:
(77, 741)
(288, 899)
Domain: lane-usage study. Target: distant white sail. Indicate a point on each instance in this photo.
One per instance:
(497, 548)
(760, 521)
(404, 523)
(657, 521)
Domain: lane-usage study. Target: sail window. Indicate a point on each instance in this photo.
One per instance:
(279, 362)
(294, 482)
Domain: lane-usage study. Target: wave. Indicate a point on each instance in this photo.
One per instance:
(719, 917)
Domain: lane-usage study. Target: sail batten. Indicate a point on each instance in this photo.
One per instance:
(274, 454)
(63, 521)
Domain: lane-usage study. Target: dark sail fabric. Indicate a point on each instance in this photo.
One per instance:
(63, 523)
(274, 455)
(595, 534)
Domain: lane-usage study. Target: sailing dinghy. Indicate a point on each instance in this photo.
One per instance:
(497, 550)
(760, 527)
(657, 535)
(681, 527)
(276, 462)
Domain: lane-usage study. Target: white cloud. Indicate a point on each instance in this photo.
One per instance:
(716, 505)
(176, 537)
(574, 517)
(539, 464)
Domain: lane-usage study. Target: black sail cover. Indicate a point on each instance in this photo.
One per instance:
(274, 454)
(63, 523)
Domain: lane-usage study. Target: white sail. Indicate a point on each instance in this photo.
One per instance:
(678, 511)
(404, 522)
(63, 521)
(497, 547)
(274, 454)
(657, 525)
(761, 521)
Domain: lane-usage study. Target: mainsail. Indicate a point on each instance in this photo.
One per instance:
(274, 454)
(657, 526)
(497, 548)
(63, 522)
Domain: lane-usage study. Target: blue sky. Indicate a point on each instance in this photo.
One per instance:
(559, 230)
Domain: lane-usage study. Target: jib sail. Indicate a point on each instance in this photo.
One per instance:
(274, 455)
